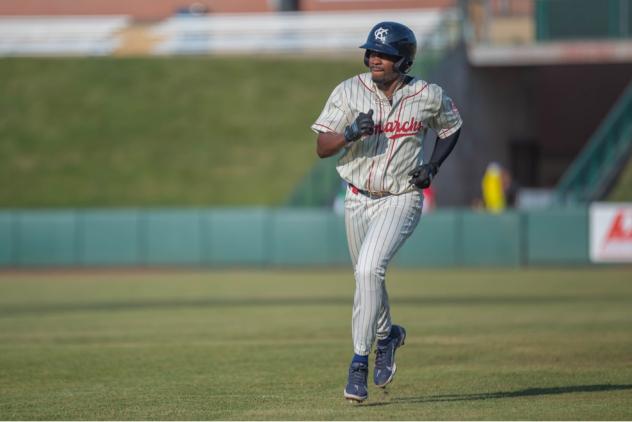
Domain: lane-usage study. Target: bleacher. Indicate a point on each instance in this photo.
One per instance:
(60, 36)
(287, 32)
(290, 32)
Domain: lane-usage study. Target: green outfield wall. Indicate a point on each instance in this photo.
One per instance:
(260, 237)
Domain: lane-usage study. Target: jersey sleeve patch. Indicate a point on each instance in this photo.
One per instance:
(447, 120)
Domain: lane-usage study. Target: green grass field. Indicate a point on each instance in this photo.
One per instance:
(82, 132)
(537, 344)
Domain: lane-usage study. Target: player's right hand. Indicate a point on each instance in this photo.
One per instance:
(361, 126)
(422, 175)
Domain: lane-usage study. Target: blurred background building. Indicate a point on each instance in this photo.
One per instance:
(538, 79)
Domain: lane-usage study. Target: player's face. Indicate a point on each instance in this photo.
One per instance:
(382, 67)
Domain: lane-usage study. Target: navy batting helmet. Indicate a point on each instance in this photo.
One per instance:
(394, 39)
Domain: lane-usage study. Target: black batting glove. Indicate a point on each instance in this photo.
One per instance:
(361, 126)
(421, 176)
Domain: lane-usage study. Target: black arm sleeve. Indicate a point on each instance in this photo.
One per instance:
(443, 148)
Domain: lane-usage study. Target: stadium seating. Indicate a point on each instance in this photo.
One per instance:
(60, 36)
(290, 32)
(315, 32)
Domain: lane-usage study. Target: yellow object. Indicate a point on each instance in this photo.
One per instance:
(492, 186)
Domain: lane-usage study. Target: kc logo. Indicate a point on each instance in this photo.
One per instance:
(380, 34)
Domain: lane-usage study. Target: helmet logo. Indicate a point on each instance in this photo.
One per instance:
(380, 34)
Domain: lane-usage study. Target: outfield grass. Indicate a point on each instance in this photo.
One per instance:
(82, 132)
(501, 344)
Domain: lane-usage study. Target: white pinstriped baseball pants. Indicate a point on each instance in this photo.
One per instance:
(376, 229)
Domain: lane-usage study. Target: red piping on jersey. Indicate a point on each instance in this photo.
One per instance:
(388, 161)
(368, 183)
(365, 85)
(378, 142)
(401, 103)
(442, 131)
(375, 132)
(326, 127)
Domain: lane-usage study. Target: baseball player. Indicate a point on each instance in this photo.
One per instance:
(378, 120)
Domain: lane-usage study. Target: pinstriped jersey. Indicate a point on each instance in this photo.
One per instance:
(380, 162)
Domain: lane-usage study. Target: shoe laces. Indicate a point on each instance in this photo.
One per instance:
(358, 374)
(381, 355)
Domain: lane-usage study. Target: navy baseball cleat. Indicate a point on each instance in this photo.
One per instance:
(356, 388)
(385, 356)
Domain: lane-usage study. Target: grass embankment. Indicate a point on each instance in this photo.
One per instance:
(622, 191)
(485, 345)
(83, 132)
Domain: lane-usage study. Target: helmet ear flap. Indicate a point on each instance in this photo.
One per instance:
(403, 65)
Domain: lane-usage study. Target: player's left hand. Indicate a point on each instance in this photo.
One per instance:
(421, 176)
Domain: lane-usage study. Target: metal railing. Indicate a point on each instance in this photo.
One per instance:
(592, 173)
